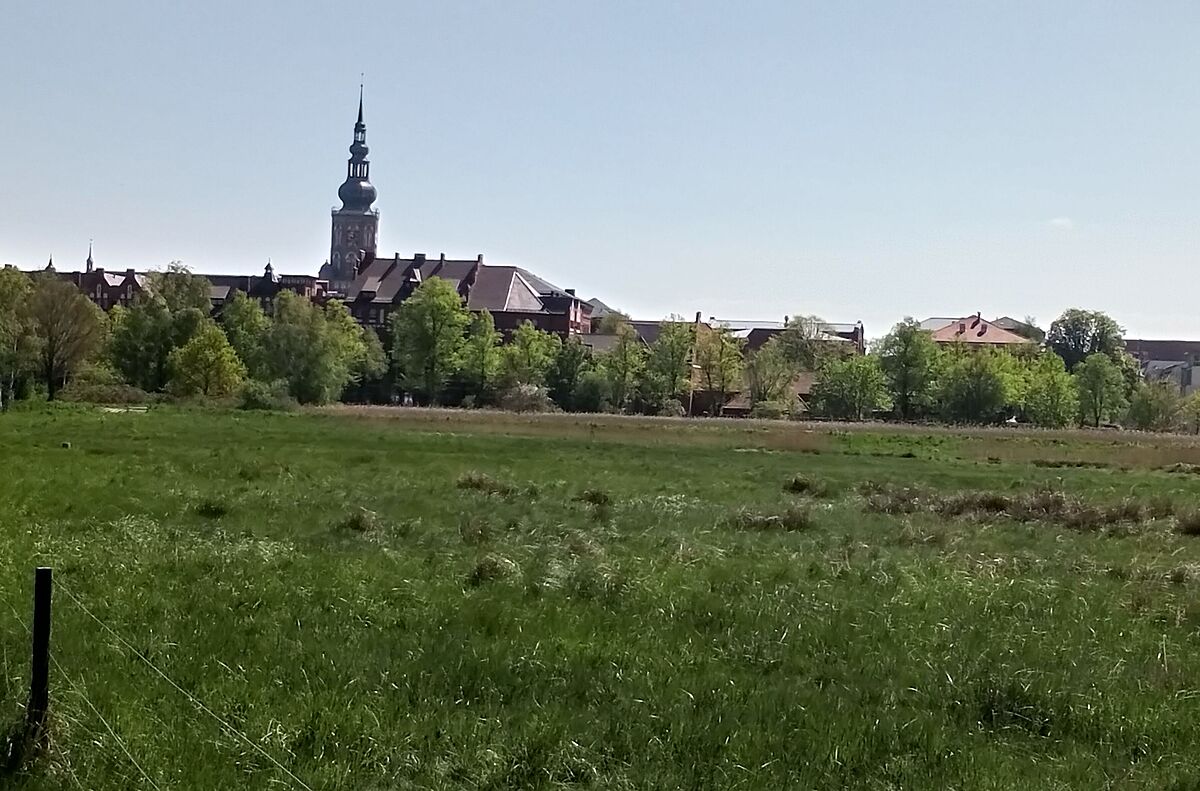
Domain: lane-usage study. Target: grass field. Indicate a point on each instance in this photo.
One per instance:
(393, 599)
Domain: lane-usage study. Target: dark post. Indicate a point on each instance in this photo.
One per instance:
(39, 680)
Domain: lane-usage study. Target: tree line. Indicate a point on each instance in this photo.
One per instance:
(55, 341)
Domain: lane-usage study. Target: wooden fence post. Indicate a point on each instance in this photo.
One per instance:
(39, 679)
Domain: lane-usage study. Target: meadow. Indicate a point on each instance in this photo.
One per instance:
(402, 599)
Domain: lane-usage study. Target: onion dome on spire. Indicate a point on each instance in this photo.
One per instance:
(357, 192)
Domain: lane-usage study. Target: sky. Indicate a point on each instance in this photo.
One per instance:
(860, 161)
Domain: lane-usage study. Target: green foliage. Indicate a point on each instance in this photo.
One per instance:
(67, 327)
(427, 336)
(773, 410)
(668, 367)
(206, 365)
(1051, 399)
(246, 325)
(18, 339)
(1101, 388)
(480, 355)
(911, 361)
(528, 356)
(1154, 406)
(768, 373)
(593, 392)
(1078, 334)
(979, 386)
(804, 344)
(315, 350)
(721, 360)
(562, 380)
(623, 365)
(180, 290)
(1189, 414)
(851, 388)
(265, 396)
(525, 398)
(610, 324)
(651, 641)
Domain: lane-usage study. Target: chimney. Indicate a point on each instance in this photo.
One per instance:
(442, 258)
(571, 291)
(479, 259)
(697, 317)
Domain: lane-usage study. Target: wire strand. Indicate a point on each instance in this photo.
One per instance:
(199, 704)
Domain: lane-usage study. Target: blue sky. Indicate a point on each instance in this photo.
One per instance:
(861, 161)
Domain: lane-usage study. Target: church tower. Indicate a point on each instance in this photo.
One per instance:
(355, 224)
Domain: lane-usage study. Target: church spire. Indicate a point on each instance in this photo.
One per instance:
(360, 98)
(356, 192)
(90, 266)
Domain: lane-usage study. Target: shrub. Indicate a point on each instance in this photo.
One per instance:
(490, 567)
(794, 519)
(1188, 523)
(267, 396)
(116, 393)
(526, 398)
(672, 407)
(802, 484)
(482, 482)
(360, 521)
(772, 410)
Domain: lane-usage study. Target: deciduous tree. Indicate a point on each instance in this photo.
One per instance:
(179, 289)
(623, 365)
(978, 386)
(570, 362)
(206, 365)
(18, 341)
(427, 336)
(719, 354)
(768, 373)
(669, 364)
(1078, 334)
(246, 325)
(852, 387)
(1101, 388)
(804, 343)
(68, 328)
(909, 359)
(1051, 400)
(1154, 406)
(480, 357)
(528, 356)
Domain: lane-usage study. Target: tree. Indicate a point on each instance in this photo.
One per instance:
(371, 360)
(978, 385)
(206, 365)
(623, 365)
(529, 355)
(804, 343)
(480, 356)
(570, 363)
(593, 392)
(1051, 400)
(611, 322)
(179, 289)
(427, 336)
(768, 373)
(909, 359)
(1189, 414)
(246, 325)
(669, 364)
(142, 337)
(18, 342)
(314, 350)
(1155, 406)
(68, 328)
(850, 387)
(1101, 388)
(720, 358)
(1078, 334)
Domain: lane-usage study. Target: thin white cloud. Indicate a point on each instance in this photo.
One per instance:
(1062, 223)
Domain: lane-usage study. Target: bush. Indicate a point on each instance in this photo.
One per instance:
(593, 393)
(672, 407)
(526, 398)
(270, 396)
(97, 393)
(771, 410)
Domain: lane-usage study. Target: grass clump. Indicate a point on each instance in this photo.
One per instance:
(212, 508)
(596, 497)
(482, 482)
(361, 520)
(812, 487)
(491, 567)
(793, 519)
(1188, 523)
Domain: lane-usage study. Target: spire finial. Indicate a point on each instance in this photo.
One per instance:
(360, 96)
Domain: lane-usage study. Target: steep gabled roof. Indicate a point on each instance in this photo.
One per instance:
(976, 331)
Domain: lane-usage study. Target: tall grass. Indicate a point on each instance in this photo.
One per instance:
(381, 605)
